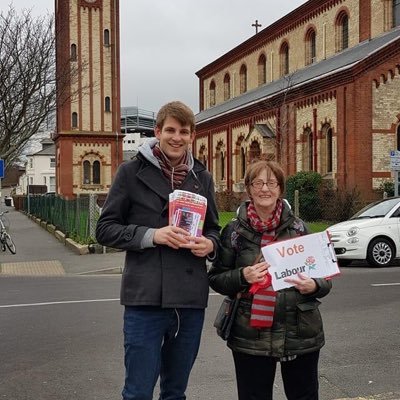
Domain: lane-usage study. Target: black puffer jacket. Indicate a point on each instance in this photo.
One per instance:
(297, 326)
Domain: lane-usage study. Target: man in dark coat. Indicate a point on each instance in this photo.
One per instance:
(164, 283)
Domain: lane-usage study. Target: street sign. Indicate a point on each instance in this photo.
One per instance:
(1, 168)
(395, 160)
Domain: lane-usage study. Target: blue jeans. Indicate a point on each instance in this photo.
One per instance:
(160, 343)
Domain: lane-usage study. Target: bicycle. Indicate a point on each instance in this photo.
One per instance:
(5, 238)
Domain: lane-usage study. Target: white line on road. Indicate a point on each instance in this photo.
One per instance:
(67, 302)
(56, 302)
(386, 284)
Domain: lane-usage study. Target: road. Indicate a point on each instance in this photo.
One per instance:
(61, 339)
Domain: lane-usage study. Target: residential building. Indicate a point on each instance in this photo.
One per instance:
(40, 168)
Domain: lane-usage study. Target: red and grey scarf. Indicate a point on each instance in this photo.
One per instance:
(263, 304)
(176, 175)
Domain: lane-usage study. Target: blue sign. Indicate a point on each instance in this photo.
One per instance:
(1, 168)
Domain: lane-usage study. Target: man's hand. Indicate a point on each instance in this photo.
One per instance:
(200, 246)
(302, 283)
(171, 236)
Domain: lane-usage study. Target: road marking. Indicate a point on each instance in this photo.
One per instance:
(57, 302)
(380, 396)
(32, 268)
(386, 284)
(51, 303)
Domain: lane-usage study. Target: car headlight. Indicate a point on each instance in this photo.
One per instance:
(352, 231)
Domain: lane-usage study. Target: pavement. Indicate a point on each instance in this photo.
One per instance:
(40, 253)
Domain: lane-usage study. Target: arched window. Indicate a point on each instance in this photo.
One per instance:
(91, 171)
(106, 37)
(227, 87)
(342, 31)
(242, 163)
(86, 172)
(310, 148)
(243, 79)
(255, 151)
(329, 151)
(396, 12)
(284, 59)
(74, 120)
(262, 70)
(398, 137)
(96, 172)
(74, 56)
(222, 161)
(311, 46)
(107, 104)
(212, 94)
(203, 155)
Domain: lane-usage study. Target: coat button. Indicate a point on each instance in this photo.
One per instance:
(128, 236)
(196, 187)
(189, 271)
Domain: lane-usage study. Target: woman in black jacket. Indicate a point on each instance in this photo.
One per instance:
(270, 327)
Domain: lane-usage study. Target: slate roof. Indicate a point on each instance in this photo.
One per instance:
(338, 62)
(49, 150)
(264, 130)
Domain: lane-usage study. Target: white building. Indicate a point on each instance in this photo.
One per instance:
(137, 125)
(40, 168)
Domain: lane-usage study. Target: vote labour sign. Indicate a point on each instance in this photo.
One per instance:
(312, 255)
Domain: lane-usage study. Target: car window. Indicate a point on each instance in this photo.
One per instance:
(377, 209)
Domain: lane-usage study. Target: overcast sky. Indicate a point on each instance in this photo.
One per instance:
(165, 42)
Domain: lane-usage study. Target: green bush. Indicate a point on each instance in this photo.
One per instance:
(388, 187)
(307, 183)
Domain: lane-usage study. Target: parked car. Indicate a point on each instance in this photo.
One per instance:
(372, 234)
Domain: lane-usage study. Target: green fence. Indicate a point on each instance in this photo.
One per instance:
(75, 218)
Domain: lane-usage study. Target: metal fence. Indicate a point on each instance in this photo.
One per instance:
(76, 218)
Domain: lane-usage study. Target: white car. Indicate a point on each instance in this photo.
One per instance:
(373, 234)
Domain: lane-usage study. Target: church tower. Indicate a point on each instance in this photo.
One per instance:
(87, 138)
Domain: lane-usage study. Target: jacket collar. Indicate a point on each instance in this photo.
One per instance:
(244, 228)
(153, 178)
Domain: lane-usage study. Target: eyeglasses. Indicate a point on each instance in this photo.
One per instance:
(259, 184)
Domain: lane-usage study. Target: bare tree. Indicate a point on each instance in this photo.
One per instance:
(280, 111)
(27, 79)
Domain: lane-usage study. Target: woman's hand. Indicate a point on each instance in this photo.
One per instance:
(255, 273)
(302, 283)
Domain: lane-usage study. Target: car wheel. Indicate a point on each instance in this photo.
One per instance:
(380, 252)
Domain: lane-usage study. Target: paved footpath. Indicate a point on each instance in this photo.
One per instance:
(40, 253)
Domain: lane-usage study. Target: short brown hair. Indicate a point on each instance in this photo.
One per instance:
(254, 169)
(177, 110)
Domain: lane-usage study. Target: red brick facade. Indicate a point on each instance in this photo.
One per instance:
(88, 112)
(358, 104)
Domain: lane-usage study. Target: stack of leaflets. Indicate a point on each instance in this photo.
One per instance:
(188, 211)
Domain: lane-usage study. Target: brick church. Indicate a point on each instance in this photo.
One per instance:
(88, 136)
(318, 90)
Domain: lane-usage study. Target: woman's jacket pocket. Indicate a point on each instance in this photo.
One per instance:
(309, 321)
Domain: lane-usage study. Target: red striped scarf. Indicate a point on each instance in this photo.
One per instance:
(264, 299)
(176, 175)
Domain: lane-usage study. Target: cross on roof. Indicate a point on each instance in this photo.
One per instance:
(256, 25)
